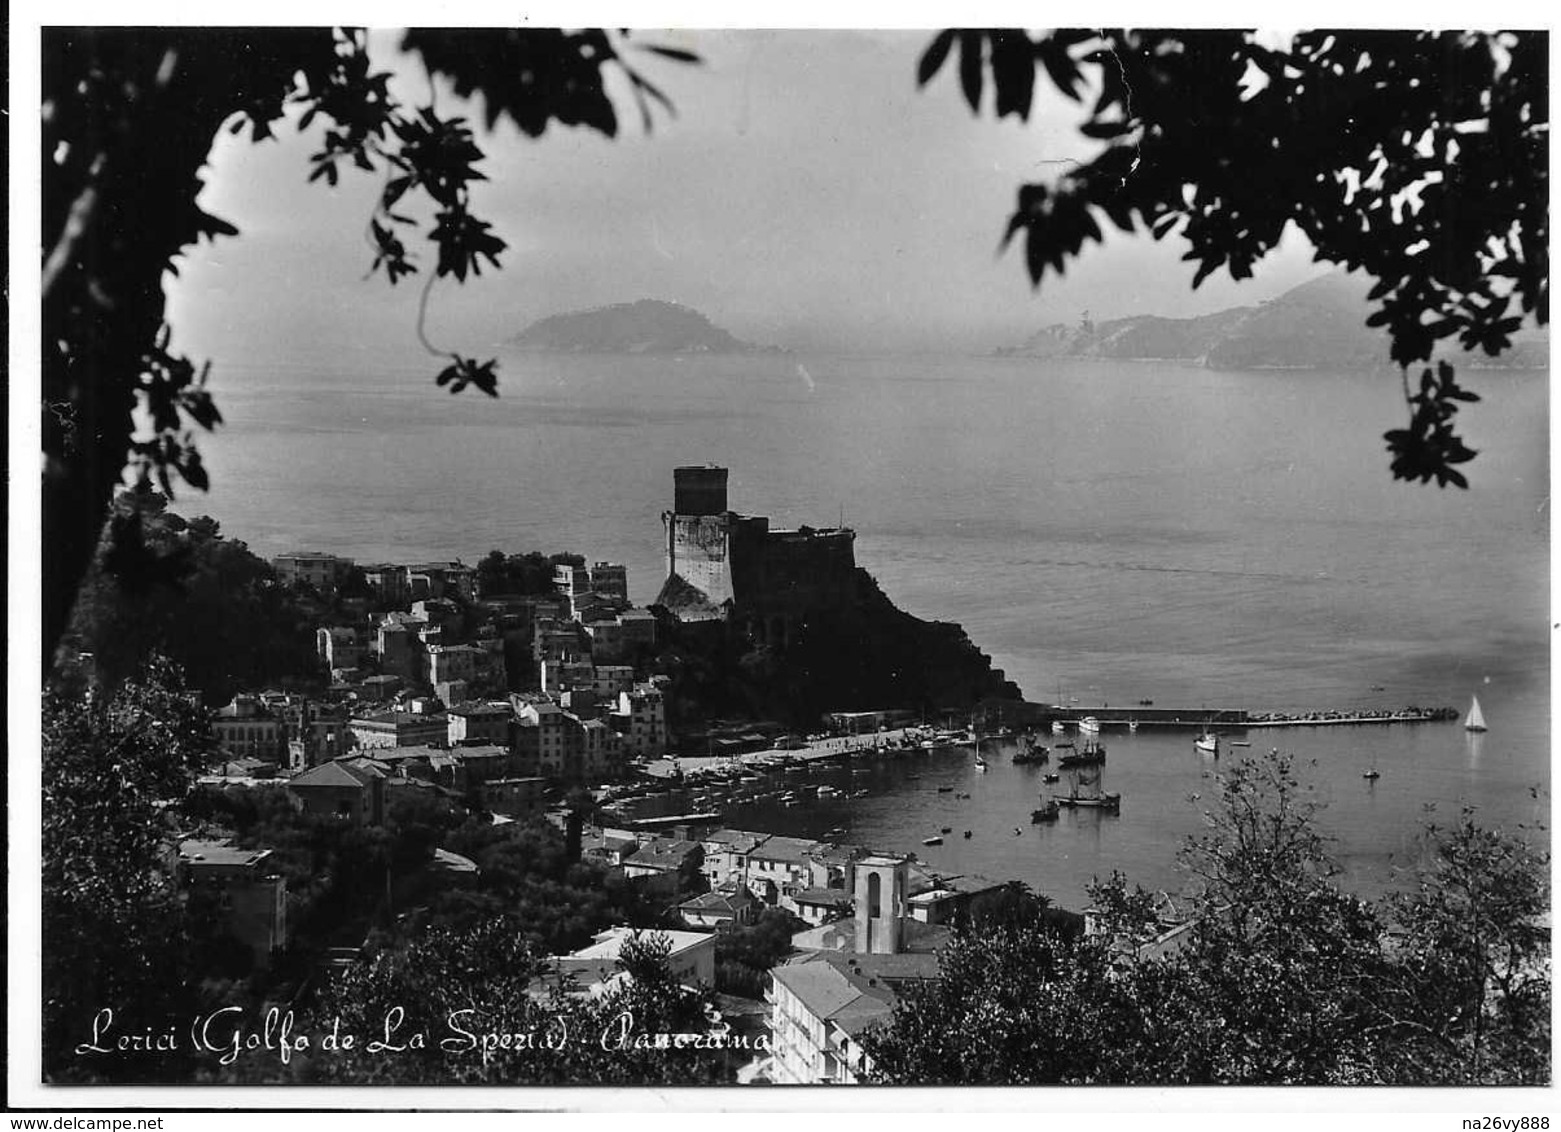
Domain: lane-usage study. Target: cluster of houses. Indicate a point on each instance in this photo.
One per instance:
(411, 683)
(875, 921)
(421, 700)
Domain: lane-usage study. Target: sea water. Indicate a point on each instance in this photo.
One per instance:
(1108, 532)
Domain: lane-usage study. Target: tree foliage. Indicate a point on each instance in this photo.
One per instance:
(1272, 975)
(1420, 159)
(129, 117)
(181, 589)
(115, 933)
(463, 1007)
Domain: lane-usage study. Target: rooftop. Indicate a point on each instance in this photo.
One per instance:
(609, 944)
(196, 850)
(779, 848)
(332, 774)
(719, 900)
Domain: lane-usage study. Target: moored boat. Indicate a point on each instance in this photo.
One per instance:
(1085, 793)
(1093, 754)
(1089, 725)
(932, 841)
(1208, 743)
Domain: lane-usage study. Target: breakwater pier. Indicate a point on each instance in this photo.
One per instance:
(1236, 718)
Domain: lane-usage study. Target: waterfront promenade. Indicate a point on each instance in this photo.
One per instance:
(832, 747)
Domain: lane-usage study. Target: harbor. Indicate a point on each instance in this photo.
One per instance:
(1040, 821)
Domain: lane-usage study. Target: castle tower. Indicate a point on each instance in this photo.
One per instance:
(698, 530)
(699, 491)
(880, 903)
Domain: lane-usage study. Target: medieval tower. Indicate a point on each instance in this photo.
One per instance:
(734, 568)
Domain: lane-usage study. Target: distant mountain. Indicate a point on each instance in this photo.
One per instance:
(1318, 325)
(645, 327)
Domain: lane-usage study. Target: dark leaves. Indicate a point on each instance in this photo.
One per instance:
(934, 57)
(1354, 138)
(1428, 448)
(464, 242)
(462, 372)
(971, 52)
(677, 54)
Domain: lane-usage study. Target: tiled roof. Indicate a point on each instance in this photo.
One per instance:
(720, 901)
(779, 848)
(331, 774)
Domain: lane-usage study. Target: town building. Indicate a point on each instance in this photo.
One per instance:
(324, 572)
(392, 583)
(611, 580)
(247, 728)
(666, 859)
(455, 662)
(399, 729)
(640, 717)
(821, 1005)
(571, 581)
(251, 893)
(480, 721)
(820, 905)
(595, 969)
(780, 866)
(726, 855)
(515, 797)
(543, 737)
(442, 579)
(340, 646)
(729, 906)
(351, 790)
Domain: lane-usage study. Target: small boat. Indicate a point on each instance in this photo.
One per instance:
(932, 841)
(967, 835)
(962, 795)
(1085, 793)
(948, 829)
(1207, 744)
(1089, 725)
(1093, 754)
(945, 789)
(1240, 743)
(1034, 753)
(1475, 720)
(1050, 777)
(1045, 813)
(980, 763)
(1372, 774)
(1111, 802)
(1057, 728)
(1132, 725)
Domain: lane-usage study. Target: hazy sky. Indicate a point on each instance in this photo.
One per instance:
(806, 194)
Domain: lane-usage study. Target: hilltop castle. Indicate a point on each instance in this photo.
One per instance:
(768, 584)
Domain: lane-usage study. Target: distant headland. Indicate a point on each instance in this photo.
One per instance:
(1318, 325)
(649, 326)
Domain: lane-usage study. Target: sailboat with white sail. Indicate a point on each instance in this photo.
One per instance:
(1475, 720)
